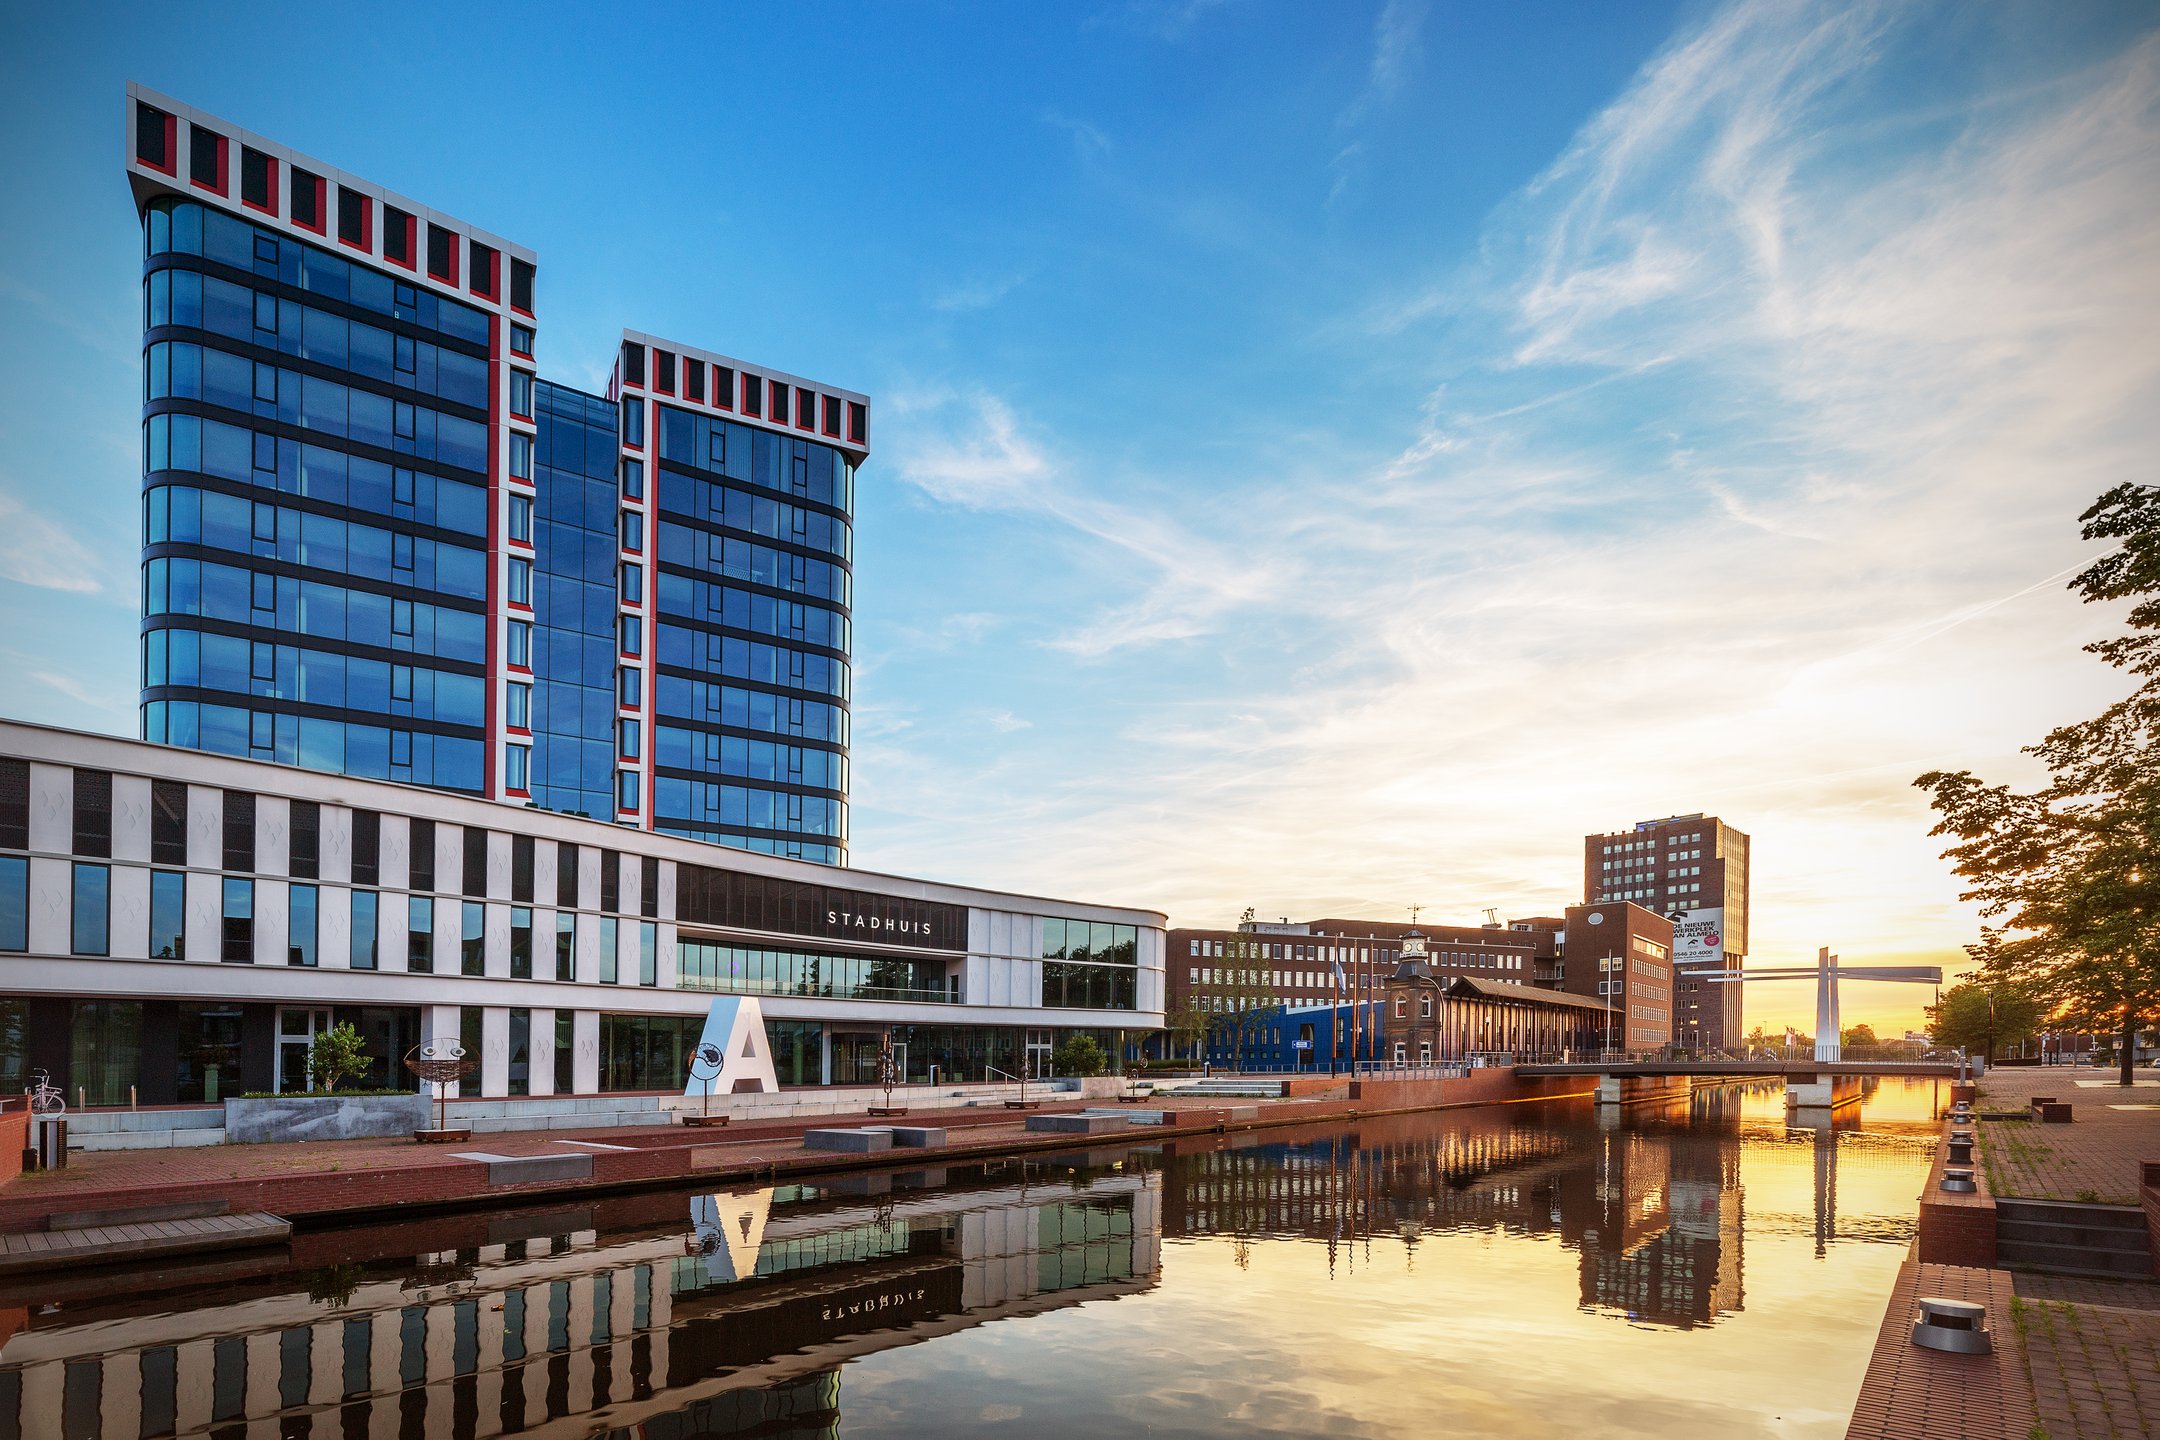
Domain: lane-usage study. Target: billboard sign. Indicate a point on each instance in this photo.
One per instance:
(1699, 939)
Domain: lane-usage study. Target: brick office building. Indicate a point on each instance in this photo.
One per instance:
(1620, 955)
(1694, 869)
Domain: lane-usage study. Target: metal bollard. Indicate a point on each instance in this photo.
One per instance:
(1958, 1326)
(1959, 1182)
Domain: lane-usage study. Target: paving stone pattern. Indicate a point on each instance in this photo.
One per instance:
(1911, 1393)
(2095, 1368)
(2094, 1158)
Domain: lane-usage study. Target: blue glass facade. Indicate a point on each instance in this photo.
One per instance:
(574, 606)
(315, 554)
(754, 585)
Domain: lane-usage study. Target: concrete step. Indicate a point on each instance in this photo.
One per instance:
(2073, 1260)
(2071, 1212)
(2033, 1232)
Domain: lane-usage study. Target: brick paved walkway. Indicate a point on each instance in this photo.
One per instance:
(2094, 1158)
(1911, 1393)
(2095, 1368)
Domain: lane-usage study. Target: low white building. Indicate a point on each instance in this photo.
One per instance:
(176, 926)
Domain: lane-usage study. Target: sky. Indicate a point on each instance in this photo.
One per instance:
(1327, 457)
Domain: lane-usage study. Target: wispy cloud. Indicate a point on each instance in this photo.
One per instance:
(39, 551)
(1755, 476)
(979, 293)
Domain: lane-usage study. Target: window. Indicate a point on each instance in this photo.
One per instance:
(649, 886)
(858, 423)
(236, 941)
(305, 828)
(442, 254)
(565, 1051)
(206, 158)
(664, 370)
(779, 408)
(565, 947)
(520, 1066)
(648, 965)
(610, 880)
(14, 903)
(168, 822)
(397, 240)
(366, 909)
(14, 804)
(805, 408)
(566, 876)
(633, 422)
(753, 395)
(258, 178)
(723, 387)
(519, 646)
(633, 635)
(694, 379)
(607, 951)
(521, 524)
(521, 288)
(629, 733)
(352, 218)
(475, 867)
(300, 925)
(832, 416)
(521, 456)
(633, 686)
(521, 573)
(366, 847)
(472, 939)
(480, 261)
(626, 791)
(633, 532)
(520, 943)
(93, 813)
(239, 830)
(521, 868)
(521, 392)
(420, 935)
(153, 144)
(633, 363)
(633, 584)
(422, 861)
(521, 336)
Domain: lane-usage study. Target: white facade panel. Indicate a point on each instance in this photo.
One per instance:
(131, 817)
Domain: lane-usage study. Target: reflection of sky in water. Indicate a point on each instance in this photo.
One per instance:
(1714, 1267)
(1467, 1332)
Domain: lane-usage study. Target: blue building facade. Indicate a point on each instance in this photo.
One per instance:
(1284, 1038)
(376, 543)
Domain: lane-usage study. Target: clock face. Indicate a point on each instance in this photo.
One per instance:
(1597, 917)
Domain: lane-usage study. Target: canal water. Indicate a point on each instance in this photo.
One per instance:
(1702, 1269)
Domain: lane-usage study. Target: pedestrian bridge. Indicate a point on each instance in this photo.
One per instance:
(1809, 1084)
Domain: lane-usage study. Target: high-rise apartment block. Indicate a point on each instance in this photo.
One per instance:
(1692, 869)
(377, 543)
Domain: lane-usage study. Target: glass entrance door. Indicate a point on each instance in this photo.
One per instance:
(1038, 1053)
(297, 1029)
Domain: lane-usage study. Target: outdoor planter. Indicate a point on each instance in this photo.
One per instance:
(321, 1117)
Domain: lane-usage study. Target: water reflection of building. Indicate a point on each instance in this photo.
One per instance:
(651, 1331)
(1667, 1244)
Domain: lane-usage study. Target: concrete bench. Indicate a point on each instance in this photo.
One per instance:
(853, 1142)
(526, 1169)
(1082, 1124)
(1131, 1117)
(2051, 1112)
(913, 1137)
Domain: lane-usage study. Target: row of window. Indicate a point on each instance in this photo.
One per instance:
(739, 659)
(175, 586)
(183, 227)
(695, 803)
(325, 476)
(181, 514)
(257, 668)
(365, 752)
(1066, 986)
(727, 507)
(759, 396)
(709, 553)
(773, 462)
(788, 847)
(741, 709)
(309, 402)
(260, 318)
(680, 749)
(760, 970)
(716, 604)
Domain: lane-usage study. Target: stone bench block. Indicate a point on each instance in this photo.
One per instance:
(1077, 1124)
(854, 1142)
(526, 1169)
(914, 1137)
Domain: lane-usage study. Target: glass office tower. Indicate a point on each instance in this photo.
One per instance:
(375, 542)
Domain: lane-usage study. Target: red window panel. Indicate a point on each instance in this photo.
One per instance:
(832, 416)
(207, 159)
(401, 237)
(258, 180)
(310, 200)
(356, 220)
(776, 403)
(157, 139)
(805, 409)
(485, 265)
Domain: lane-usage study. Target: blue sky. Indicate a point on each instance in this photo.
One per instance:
(1328, 457)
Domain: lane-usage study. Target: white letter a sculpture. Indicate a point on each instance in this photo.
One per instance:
(736, 1028)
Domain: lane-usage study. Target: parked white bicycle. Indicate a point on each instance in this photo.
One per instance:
(46, 1100)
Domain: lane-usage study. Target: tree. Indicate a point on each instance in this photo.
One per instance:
(1187, 1025)
(1080, 1055)
(1238, 992)
(1982, 1016)
(336, 1054)
(2073, 867)
(1856, 1037)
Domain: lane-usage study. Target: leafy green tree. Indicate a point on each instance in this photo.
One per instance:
(1188, 1026)
(2073, 867)
(1858, 1037)
(1982, 1017)
(1241, 993)
(1081, 1054)
(336, 1054)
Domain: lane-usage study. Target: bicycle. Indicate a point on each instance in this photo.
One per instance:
(46, 1100)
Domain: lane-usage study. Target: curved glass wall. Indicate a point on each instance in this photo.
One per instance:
(315, 450)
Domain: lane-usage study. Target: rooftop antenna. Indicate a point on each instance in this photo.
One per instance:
(1414, 913)
(1492, 915)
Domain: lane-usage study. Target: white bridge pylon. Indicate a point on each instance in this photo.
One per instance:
(1827, 972)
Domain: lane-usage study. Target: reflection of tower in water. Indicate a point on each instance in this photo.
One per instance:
(1666, 1248)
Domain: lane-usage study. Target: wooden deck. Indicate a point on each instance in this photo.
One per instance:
(117, 1244)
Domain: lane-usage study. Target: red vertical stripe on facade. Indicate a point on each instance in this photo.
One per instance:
(495, 549)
